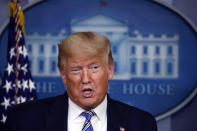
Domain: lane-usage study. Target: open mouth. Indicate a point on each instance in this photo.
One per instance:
(87, 92)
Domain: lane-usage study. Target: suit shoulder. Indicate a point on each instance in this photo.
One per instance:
(130, 117)
(130, 110)
(39, 104)
(31, 115)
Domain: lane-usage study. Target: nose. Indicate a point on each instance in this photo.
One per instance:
(85, 78)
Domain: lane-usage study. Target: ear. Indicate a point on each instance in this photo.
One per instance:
(111, 71)
(63, 76)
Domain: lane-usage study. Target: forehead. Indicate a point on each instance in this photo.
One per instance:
(82, 60)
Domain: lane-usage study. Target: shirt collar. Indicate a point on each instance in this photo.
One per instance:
(101, 109)
(74, 110)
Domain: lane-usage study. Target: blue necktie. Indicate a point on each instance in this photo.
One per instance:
(87, 125)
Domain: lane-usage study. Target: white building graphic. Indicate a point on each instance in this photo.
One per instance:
(43, 53)
(136, 55)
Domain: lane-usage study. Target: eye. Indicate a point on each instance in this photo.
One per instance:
(94, 68)
(74, 71)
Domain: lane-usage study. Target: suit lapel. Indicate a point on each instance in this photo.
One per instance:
(113, 123)
(56, 116)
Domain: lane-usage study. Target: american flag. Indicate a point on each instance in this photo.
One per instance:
(17, 84)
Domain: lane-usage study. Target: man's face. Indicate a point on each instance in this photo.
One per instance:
(87, 79)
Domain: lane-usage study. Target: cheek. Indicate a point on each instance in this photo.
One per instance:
(73, 86)
(73, 81)
(101, 82)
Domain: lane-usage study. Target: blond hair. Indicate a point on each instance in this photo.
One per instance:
(89, 43)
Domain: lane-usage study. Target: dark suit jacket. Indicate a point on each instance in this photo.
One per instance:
(51, 115)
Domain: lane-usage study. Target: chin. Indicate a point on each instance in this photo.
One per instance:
(88, 105)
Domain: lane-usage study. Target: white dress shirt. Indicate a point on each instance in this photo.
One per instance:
(76, 121)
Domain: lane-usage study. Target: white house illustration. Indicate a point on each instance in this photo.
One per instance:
(136, 55)
(43, 51)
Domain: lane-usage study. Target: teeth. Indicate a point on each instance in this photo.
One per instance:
(87, 91)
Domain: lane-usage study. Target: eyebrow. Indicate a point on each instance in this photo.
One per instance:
(93, 63)
(73, 67)
(79, 66)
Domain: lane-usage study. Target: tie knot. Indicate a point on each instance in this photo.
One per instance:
(88, 114)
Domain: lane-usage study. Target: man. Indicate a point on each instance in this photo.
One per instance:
(86, 65)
